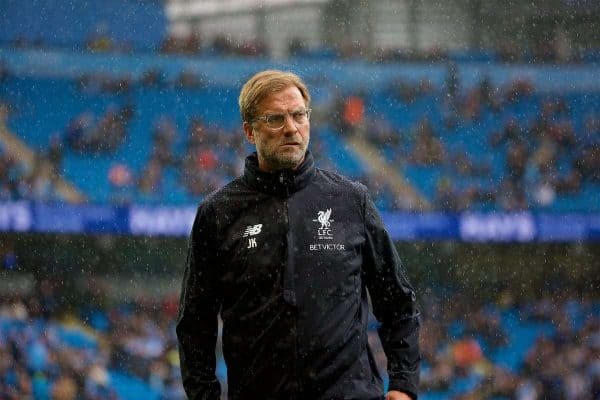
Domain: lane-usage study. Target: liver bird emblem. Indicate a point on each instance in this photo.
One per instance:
(323, 218)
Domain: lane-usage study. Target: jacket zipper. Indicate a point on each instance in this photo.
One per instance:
(289, 289)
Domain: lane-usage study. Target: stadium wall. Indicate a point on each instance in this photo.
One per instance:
(123, 267)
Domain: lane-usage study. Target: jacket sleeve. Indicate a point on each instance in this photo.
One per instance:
(197, 323)
(394, 303)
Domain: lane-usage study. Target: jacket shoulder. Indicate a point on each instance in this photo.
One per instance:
(221, 195)
(342, 182)
(218, 207)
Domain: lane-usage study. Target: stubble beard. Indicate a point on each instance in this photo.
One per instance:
(276, 160)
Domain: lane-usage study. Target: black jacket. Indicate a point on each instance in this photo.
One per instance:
(286, 258)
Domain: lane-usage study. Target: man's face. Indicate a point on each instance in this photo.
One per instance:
(285, 147)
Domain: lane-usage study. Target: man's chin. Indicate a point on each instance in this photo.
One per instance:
(289, 161)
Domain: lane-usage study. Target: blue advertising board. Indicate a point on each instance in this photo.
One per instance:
(526, 227)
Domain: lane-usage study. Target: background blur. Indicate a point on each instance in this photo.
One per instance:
(475, 124)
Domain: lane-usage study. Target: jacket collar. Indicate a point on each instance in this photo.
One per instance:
(282, 182)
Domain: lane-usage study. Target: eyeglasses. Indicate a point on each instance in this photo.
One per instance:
(277, 121)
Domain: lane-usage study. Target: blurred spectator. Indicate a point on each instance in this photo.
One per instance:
(96, 83)
(111, 129)
(466, 353)
(518, 89)
(189, 80)
(587, 163)
(511, 133)
(465, 166)
(222, 45)
(517, 155)
(489, 94)
(427, 150)
(121, 180)
(351, 114)
(4, 71)
(78, 130)
(452, 84)
(65, 388)
(253, 48)
(164, 136)
(447, 197)
(384, 137)
(539, 176)
(190, 44)
(55, 152)
(296, 47)
(85, 135)
(152, 77)
(150, 182)
(212, 157)
(354, 111)
(100, 40)
(408, 92)
(19, 180)
(511, 196)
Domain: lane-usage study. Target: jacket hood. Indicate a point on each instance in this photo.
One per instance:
(281, 182)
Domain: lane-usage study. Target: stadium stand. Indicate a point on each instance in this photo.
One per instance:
(127, 350)
(99, 104)
(477, 147)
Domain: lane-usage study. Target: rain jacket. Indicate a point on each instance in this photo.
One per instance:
(286, 259)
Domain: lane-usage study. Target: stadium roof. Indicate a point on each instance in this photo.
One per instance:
(202, 8)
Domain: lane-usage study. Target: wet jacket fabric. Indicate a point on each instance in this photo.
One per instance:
(286, 258)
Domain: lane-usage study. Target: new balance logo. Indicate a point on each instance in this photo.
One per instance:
(252, 230)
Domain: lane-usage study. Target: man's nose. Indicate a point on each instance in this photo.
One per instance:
(290, 125)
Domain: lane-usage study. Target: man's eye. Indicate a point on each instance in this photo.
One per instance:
(302, 116)
(275, 118)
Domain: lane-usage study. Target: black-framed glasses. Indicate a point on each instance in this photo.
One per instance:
(277, 121)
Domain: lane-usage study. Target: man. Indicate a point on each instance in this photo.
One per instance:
(285, 254)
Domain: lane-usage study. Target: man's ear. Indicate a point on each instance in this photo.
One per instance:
(249, 131)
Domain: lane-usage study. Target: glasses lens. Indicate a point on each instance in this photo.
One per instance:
(275, 121)
(300, 117)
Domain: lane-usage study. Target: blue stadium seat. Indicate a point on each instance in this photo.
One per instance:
(131, 388)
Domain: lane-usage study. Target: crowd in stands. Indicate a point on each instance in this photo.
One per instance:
(36, 181)
(48, 350)
(544, 156)
(51, 348)
(211, 158)
(221, 45)
(561, 362)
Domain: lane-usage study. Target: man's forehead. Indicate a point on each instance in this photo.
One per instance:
(286, 99)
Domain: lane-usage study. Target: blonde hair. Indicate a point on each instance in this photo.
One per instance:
(264, 83)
